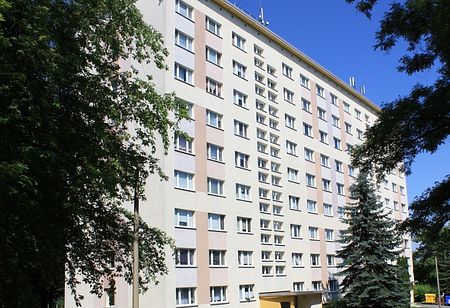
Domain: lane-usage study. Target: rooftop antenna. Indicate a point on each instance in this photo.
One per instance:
(261, 15)
(362, 89)
(352, 81)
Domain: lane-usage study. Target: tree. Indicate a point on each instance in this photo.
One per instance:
(78, 135)
(370, 248)
(420, 121)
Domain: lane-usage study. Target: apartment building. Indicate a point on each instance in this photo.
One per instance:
(256, 194)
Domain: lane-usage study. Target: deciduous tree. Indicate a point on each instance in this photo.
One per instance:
(69, 159)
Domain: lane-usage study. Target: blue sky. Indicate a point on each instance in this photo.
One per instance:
(341, 39)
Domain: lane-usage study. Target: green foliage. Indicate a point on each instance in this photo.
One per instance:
(370, 249)
(420, 290)
(76, 130)
(420, 121)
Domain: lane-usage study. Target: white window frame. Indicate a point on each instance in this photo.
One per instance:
(213, 119)
(238, 41)
(191, 297)
(183, 73)
(214, 152)
(311, 206)
(213, 26)
(187, 43)
(215, 186)
(244, 224)
(189, 180)
(184, 9)
(189, 257)
(184, 218)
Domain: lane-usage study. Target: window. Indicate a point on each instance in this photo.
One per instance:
(292, 175)
(183, 40)
(275, 152)
(351, 171)
(271, 70)
(265, 238)
(264, 224)
(310, 180)
(277, 225)
(394, 187)
(335, 120)
(324, 161)
(276, 210)
(273, 124)
(327, 209)
(320, 91)
(396, 206)
(214, 152)
(183, 73)
(387, 202)
(213, 119)
(279, 270)
(287, 70)
(183, 9)
(271, 84)
(238, 41)
(261, 134)
(260, 105)
(263, 207)
(307, 129)
(245, 258)
(184, 180)
(183, 143)
(297, 259)
(313, 233)
(340, 211)
(262, 163)
(272, 97)
(258, 50)
(321, 113)
(273, 111)
(348, 128)
(215, 186)
(359, 134)
(258, 63)
(185, 296)
(184, 257)
(276, 196)
(216, 221)
(262, 147)
(329, 235)
(240, 129)
(259, 77)
(239, 69)
(275, 167)
(216, 257)
(402, 190)
(323, 136)
(213, 87)
(242, 192)
(266, 270)
(279, 256)
(333, 285)
(259, 90)
(288, 95)
(213, 56)
(326, 185)
(276, 180)
(278, 239)
(297, 286)
(291, 147)
(218, 294)
(296, 231)
(304, 81)
(338, 166)
(334, 100)
(274, 138)
(330, 260)
(265, 255)
(239, 98)
(358, 114)
(290, 121)
(262, 177)
(241, 159)
(337, 143)
(184, 218)
(340, 189)
(317, 285)
(306, 105)
(246, 292)
(294, 203)
(403, 208)
(311, 206)
(315, 260)
(309, 154)
(346, 107)
(260, 118)
(213, 26)
(244, 224)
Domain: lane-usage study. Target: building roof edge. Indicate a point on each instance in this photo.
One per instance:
(295, 51)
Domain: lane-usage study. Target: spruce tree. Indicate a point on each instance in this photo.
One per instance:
(369, 253)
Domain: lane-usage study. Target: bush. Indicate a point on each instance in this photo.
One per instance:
(421, 289)
(337, 303)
